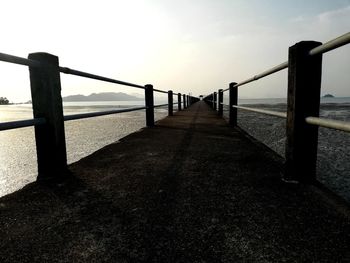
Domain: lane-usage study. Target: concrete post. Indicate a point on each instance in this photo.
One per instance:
(233, 99)
(149, 101)
(179, 101)
(170, 103)
(220, 103)
(215, 100)
(304, 85)
(45, 86)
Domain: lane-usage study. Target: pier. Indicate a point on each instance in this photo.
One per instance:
(189, 189)
(192, 187)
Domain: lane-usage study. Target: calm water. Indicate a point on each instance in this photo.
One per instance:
(83, 137)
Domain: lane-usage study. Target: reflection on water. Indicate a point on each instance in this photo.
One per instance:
(15, 112)
(83, 137)
(17, 159)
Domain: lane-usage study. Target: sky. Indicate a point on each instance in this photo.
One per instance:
(188, 46)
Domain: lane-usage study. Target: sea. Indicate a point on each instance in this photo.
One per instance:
(18, 162)
(18, 165)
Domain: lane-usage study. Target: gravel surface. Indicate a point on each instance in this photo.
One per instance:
(333, 164)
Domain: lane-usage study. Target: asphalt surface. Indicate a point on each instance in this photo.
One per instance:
(190, 189)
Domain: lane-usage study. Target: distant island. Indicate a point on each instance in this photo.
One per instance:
(4, 101)
(104, 96)
(328, 96)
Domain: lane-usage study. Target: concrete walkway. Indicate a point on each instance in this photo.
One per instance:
(190, 189)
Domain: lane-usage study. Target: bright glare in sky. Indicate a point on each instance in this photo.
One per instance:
(188, 46)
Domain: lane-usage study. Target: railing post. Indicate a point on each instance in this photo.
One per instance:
(179, 101)
(170, 103)
(45, 86)
(233, 99)
(184, 99)
(215, 100)
(304, 85)
(220, 103)
(149, 101)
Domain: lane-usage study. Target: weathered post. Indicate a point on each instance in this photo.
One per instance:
(304, 84)
(184, 99)
(50, 140)
(220, 103)
(170, 103)
(179, 101)
(215, 100)
(149, 101)
(233, 99)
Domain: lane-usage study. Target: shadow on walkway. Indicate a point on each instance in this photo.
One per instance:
(191, 189)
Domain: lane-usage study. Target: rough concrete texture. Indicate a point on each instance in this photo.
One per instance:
(190, 189)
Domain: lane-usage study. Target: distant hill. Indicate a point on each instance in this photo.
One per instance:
(328, 96)
(104, 96)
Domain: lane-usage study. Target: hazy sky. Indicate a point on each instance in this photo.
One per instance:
(188, 46)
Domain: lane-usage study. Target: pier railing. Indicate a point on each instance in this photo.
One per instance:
(303, 103)
(47, 104)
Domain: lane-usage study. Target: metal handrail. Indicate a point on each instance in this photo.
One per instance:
(21, 124)
(18, 60)
(270, 71)
(97, 77)
(99, 113)
(161, 91)
(160, 105)
(37, 121)
(32, 63)
(267, 112)
(328, 123)
(40, 121)
(330, 45)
